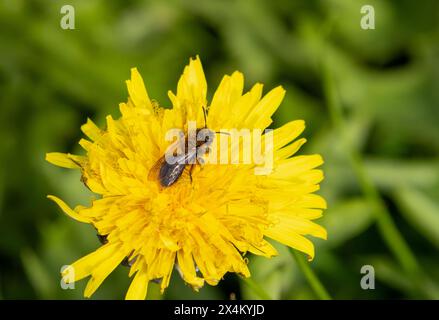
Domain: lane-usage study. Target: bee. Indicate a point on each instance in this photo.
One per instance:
(169, 173)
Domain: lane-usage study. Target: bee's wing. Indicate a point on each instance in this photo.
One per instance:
(187, 158)
(154, 172)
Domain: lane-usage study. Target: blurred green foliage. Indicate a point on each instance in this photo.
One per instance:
(387, 79)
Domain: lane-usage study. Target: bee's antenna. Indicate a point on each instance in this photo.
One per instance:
(205, 117)
(219, 132)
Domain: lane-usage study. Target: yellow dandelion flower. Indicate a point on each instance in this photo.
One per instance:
(203, 225)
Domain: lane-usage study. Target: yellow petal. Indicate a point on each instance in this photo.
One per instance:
(313, 201)
(65, 160)
(91, 130)
(294, 166)
(67, 210)
(204, 257)
(166, 267)
(137, 90)
(85, 144)
(260, 116)
(224, 99)
(102, 271)
(84, 267)
(186, 265)
(289, 150)
(169, 243)
(192, 88)
(263, 249)
(291, 239)
(139, 286)
(306, 213)
(244, 106)
(287, 133)
(301, 226)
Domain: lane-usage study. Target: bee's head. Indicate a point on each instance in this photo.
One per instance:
(205, 136)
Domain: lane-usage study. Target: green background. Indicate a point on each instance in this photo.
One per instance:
(369, 98)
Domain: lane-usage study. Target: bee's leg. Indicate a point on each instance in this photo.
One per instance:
(128, 261)
(190, 172)
(102, 238)
(201, 161)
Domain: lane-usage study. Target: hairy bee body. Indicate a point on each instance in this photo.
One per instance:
(168, 173)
